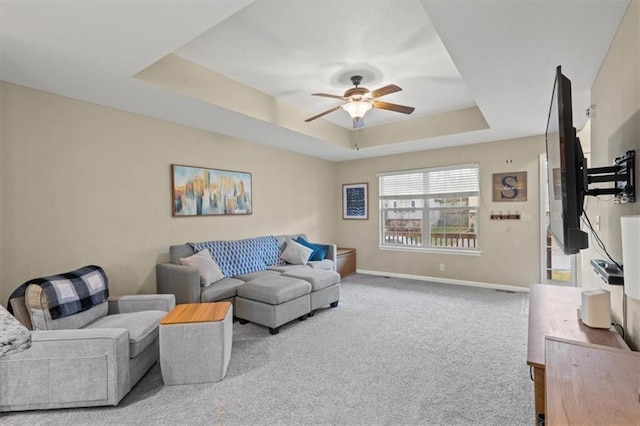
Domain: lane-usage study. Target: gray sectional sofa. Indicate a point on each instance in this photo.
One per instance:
(268, 292)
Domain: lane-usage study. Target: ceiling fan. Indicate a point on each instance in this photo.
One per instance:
(359, 100)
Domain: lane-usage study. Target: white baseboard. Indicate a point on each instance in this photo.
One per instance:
(445, 280)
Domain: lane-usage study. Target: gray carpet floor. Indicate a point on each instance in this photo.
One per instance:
(395, 352)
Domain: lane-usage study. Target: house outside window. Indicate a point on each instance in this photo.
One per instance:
(434, 209)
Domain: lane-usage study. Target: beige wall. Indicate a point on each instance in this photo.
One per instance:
(510, 248)
(85, 184)
(614, 130)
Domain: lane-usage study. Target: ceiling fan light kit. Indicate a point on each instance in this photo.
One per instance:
(359, 100)
(357, 109)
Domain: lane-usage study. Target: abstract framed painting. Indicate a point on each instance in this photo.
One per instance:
(199, 191)
(355, 201)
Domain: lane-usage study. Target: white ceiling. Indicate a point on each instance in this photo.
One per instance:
(497, 55)
(317, 46)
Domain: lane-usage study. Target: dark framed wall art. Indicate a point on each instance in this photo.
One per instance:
(199, 191)
(510, 186)
(355, 201)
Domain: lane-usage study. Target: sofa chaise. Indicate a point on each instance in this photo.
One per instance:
(251, 274)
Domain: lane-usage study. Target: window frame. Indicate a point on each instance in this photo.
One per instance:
(427, 210)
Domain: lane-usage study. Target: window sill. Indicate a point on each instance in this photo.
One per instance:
(456, 251)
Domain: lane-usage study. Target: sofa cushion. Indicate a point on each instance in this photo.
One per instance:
(242, 256)
(208, 269)
(321, 264)
(142, 327)
(274, 290)
(256, 275)
(180, 252)
(67, 294)
(319, 252)
(318, 278)
(282, 240)
(223, 289)
(296, 253)
(288, 267)
(41, 318)
(18, 308)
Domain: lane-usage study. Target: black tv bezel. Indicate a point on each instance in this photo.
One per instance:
(573, 172)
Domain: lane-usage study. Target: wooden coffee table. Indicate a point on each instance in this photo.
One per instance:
(195, 343)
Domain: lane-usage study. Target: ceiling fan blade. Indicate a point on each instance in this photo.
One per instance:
(386, 90)
(323, 113)
(326, 95)
(393, 107)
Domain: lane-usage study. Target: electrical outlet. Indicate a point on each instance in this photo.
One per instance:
(442, 266)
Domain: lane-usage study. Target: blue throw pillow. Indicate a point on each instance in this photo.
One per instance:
(319, 253)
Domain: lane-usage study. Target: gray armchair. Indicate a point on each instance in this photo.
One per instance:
(90, 358)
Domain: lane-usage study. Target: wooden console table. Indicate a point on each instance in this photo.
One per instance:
(346, 261)
(553, 311)
(590, 384)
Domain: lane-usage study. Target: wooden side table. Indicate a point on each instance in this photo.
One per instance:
(195, 343)
(346, 261)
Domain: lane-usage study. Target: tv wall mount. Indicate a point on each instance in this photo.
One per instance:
(622, 173)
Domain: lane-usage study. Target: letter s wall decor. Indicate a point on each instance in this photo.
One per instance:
(510, 186)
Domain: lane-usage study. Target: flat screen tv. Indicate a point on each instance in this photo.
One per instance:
(567, 171)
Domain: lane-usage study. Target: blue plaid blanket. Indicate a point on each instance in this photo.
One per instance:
(72, 292)
(242, 256)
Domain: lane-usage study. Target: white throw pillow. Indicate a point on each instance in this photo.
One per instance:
(207, 267)
(295, 253)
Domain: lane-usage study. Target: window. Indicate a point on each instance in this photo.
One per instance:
(434, 208)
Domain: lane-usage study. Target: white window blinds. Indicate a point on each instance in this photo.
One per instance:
(453, 180)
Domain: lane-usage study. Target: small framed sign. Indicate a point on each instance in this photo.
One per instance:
(355, 199)
(510, 186)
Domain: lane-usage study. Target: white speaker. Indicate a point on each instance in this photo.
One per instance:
(596, 308)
